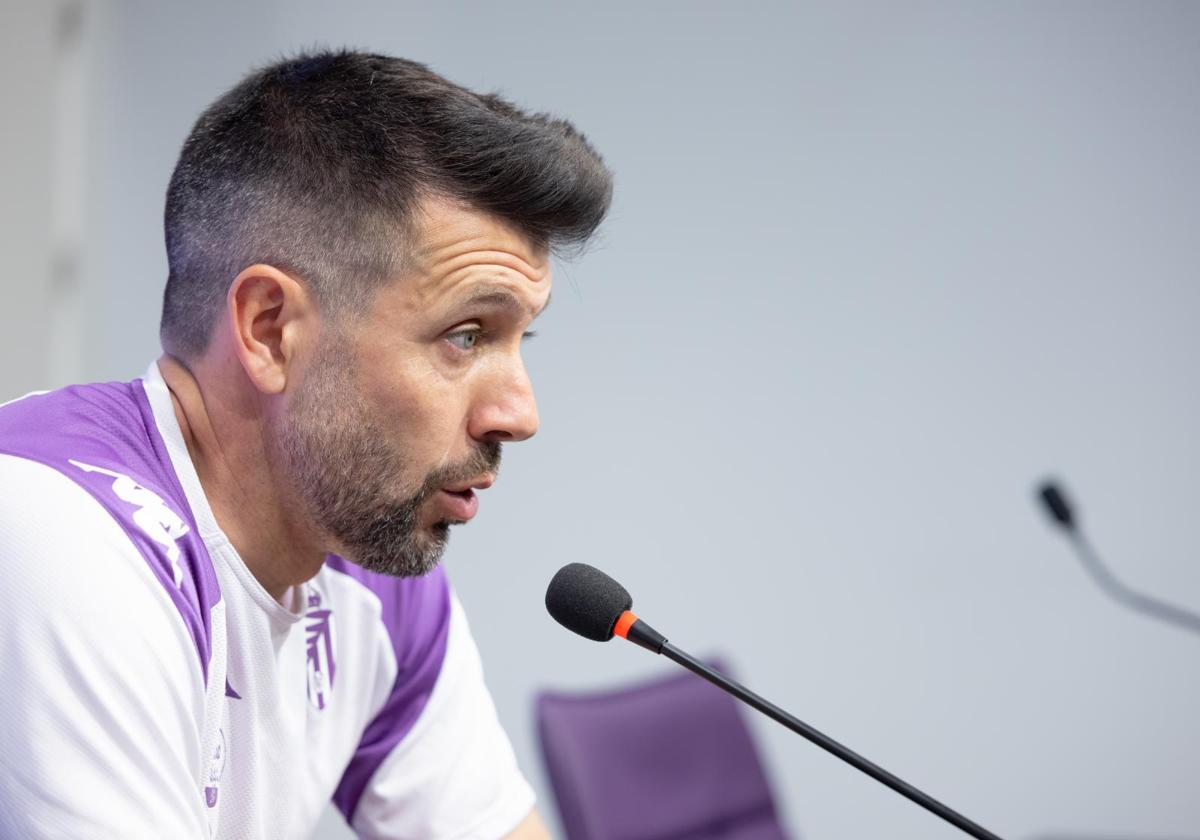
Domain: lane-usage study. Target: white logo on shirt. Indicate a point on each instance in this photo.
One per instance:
(216, 766)
(156, 520)
(319, 651)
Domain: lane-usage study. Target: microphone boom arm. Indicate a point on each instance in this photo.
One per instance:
(1058, 506)
(588, 602)
(1131, 598)
(643, 635)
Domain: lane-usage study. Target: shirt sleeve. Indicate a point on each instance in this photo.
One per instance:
(102, 692)
(454, 775)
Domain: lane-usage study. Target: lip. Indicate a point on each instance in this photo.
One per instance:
(460, 505)
(481, 483)
(460, 502)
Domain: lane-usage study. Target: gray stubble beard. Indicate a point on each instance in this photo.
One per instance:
(332, 448)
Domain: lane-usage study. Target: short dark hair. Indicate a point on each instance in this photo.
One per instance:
(316, 164)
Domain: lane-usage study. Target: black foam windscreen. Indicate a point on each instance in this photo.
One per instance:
(586, 601)
(1056, 504)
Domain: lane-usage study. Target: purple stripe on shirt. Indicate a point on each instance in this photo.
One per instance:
(104, 438)
(416, 615)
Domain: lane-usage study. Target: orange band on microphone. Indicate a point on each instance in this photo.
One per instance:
(624, 623)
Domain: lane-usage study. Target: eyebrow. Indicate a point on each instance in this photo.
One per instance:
(504, 299)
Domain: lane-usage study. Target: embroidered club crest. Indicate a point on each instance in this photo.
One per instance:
(319, 646)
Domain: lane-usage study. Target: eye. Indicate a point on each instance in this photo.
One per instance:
(464, 339)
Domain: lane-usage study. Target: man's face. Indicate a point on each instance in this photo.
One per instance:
(400, 416)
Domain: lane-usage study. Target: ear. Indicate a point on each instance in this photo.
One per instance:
(271, 316)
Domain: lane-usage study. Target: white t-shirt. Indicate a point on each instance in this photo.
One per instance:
(152, 688)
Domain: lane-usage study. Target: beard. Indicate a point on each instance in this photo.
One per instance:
(336, 457)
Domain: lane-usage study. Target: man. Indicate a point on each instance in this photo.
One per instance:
(222, 601)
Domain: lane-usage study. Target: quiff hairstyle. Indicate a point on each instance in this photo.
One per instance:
(317, 165)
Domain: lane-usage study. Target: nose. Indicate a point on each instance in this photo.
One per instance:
(506, 410)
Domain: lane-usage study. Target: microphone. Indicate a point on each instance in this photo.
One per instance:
(587, 601)
(1060, 512)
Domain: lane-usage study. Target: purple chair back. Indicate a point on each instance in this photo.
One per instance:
(663, 760)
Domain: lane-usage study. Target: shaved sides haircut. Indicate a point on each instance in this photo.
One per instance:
(317, 165)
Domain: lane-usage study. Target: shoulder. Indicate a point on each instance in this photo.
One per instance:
(70, 569)
(102, 685)
(90, 458)
(88, 629)
(51, 528)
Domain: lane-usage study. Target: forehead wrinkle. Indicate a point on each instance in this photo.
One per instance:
(503, 297)
(468, 237)
(449, 260)
(459, 246)
(457, 265)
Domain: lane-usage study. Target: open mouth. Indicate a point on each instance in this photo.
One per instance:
(461, 505)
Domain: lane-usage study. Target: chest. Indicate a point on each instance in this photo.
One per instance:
(297, 692)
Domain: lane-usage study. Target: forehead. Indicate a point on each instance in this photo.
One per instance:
(460, 251)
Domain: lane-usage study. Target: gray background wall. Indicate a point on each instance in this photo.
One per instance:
(873, 269)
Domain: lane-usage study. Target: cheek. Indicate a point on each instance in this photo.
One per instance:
(426, 417)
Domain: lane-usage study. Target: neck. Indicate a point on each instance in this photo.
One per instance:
(222, 422)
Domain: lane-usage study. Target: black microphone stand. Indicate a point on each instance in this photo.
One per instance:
(646, 636)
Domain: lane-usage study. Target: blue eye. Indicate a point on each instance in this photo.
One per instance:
(464, 339)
